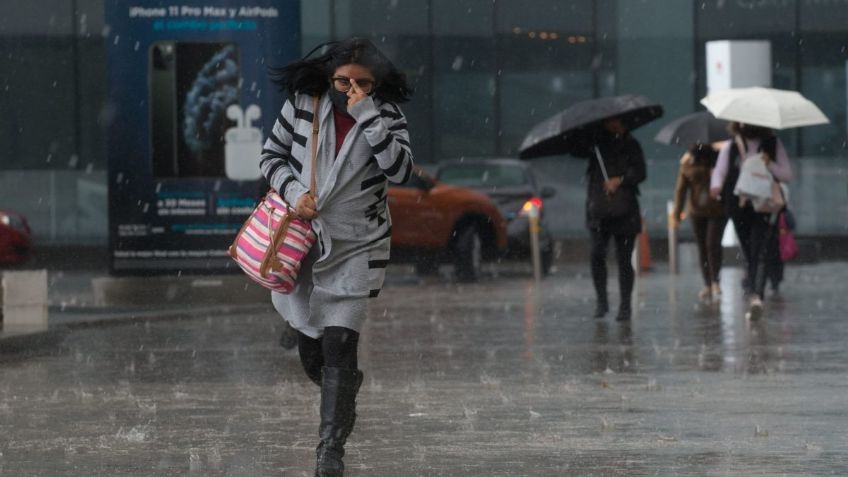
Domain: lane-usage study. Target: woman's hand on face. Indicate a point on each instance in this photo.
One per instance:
(306, 208)
(355, 94)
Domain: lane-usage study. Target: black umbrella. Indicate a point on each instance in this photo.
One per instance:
(696, 128)
(560, 133)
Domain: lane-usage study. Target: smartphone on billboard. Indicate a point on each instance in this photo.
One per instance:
(191, 86)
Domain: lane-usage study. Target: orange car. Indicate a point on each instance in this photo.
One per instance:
(434, 222)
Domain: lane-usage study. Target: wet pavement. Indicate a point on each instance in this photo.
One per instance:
(500, 378)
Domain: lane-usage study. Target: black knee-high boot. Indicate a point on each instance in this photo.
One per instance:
(339, 387)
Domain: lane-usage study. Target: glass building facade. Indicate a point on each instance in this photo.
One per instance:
(485, 71)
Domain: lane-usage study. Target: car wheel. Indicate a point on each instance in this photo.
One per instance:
(468, 254)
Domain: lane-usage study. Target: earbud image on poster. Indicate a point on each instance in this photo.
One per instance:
(193, 102)
(244, 143)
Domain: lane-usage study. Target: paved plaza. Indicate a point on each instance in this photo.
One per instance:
(500, 378)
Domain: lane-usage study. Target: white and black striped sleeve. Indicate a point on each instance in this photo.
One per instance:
(276, 163)
(385, 129)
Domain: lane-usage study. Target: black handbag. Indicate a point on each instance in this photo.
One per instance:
(623, 202)
(618, 204)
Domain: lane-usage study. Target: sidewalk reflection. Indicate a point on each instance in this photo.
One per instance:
(612, 356)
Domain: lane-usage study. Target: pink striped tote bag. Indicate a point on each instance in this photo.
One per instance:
(272, 244)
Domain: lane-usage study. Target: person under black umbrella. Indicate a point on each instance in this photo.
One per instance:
(612, 207)
(706, 214)
(599, 129)
(704, 134)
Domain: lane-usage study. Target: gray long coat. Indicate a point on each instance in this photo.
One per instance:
(348, 262)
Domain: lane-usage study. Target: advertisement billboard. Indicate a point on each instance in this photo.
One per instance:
(190, 104)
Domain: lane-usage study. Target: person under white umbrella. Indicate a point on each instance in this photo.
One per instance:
(755, 113)
(752, 227)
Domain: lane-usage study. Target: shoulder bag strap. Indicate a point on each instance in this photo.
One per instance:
(270, 261)
(740, 146)
(312, 182)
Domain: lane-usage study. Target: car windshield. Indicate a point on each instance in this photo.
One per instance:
(483, 175)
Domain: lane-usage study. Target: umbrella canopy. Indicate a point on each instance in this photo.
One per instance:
(556, 134)
(696, 128)
(766, 107)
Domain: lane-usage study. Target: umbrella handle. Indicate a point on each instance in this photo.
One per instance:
(601, 163)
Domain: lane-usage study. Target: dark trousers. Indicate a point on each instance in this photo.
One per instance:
(742, 217)
(764, 253)
(337, 348)
(708, 232)
(623, 251)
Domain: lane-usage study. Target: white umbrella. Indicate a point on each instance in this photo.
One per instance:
(767, 107)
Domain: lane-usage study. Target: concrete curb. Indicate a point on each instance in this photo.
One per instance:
(30, 342)
(62, 320)
(86, 317)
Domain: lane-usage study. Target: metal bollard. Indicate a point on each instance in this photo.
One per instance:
(672, 239)
(535, 251)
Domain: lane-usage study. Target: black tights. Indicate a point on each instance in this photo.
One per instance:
(623, 251)
(764, 255)
(336, 349)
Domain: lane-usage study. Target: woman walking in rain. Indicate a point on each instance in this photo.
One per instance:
(362, 143)
(757, 235)
(612, 209)
(706, 213)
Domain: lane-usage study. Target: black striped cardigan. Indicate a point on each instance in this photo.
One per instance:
(354, 224)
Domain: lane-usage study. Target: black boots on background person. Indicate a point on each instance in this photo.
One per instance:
(602, 302)
(339, 388)
(624, 312)
(601, 308)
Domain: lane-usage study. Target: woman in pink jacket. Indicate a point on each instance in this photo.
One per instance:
(757, 236)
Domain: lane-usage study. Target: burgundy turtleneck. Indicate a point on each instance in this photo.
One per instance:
(344, 123)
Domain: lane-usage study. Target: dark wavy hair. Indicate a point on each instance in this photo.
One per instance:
(703, 154)
(312, 75)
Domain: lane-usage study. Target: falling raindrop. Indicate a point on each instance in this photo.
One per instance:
(214, 458)
(194, 462)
